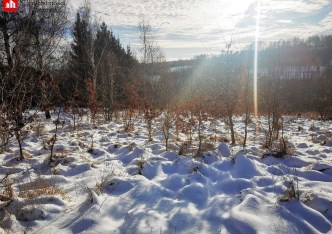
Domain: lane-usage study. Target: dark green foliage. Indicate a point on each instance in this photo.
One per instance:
(81, 64)
(113, 69)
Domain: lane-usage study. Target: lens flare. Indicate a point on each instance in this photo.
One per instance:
(256, 58)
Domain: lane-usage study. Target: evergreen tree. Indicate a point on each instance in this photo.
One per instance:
(81, 62)
(112, 63)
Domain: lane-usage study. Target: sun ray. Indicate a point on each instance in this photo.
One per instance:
(256, 58)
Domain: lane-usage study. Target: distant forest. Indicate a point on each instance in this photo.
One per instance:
(302, 68)
(315, 51)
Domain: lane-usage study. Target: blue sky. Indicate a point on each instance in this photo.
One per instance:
(185, 28)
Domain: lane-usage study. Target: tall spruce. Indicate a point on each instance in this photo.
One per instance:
(81, 56)
(106, 66)
(112, 63)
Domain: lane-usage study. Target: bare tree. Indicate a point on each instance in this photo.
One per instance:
(152, 61)
(229, 88)
(107, 70)
(246, 103)
(271, 101)
(29, 44)
(167, 125)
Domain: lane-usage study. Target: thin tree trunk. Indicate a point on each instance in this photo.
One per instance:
(231, 126)
(18, 138)
(6, 40)
(246, 129)
(48, 114)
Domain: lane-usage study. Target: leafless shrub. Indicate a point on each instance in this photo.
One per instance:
(6, 190)
(292, 192)
(150, 114)
(90, 150)
(140, 165)
(313, 127)
(131, 146)
(127, 117)
(184, 148)
(206, 146)
(166, 127)
(39, 129)
(5, 134)
(54, 137)
(103, 180)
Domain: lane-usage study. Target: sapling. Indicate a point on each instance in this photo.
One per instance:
(201, 117)
(179, 123)
(189, 125)
(132, 103)
(54, 138)
(92, 103)
(5, 134)
(127, 118)
(246, 102)
(149, 115)
(90, 150)
(167, 125)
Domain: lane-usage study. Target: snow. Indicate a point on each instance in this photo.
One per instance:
(224, 150)
(129, 185)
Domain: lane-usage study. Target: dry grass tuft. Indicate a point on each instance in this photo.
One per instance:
(7, 192)
(39, 129)
(291, 193)
(39, 187)
(184, 148)
(129, 128)
(26, 155)
(205, 147)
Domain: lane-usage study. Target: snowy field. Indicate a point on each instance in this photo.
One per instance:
(125, 184)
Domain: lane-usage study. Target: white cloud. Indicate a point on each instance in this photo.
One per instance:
(206, 23)
(326, 23)
(298, 6)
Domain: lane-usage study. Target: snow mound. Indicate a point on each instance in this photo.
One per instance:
(245, 168)
(130, 185)
(302, 145)
(224, 150)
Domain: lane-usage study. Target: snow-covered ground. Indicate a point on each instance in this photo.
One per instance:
(129, 185)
